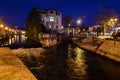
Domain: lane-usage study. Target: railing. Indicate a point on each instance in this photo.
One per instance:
(4, 41)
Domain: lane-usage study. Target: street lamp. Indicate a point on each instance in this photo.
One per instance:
(114, 21)
(69, 25)
(1, 25)
(79, 21)
(6, 28)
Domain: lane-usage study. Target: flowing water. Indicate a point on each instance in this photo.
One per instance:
(68, 62)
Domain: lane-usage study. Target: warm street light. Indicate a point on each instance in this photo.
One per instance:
(10, 29)
(1, 25)
(79, 21)
(114, 21)
(69, 25)
(6, 28)
(62, 27)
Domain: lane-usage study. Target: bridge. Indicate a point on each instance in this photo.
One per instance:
(78, 36)
(16, 37)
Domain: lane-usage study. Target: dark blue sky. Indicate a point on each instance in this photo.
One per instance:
(15, 12)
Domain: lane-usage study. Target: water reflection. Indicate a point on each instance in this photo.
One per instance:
(76, 63)
(53, 62)
(68, 62)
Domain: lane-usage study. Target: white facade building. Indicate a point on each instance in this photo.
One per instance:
(94, 27)
(52, 19)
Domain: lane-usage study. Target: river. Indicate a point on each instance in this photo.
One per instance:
(68, 62)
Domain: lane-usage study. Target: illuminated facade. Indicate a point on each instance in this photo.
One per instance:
(51, 18)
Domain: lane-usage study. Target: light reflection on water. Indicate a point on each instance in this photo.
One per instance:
(65, 62)
(76, 63)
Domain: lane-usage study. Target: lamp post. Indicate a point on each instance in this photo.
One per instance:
(62, 29)
(79, 21)
(68, 29)
(114, 21)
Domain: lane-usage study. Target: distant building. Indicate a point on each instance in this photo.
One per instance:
(94, 28)
(52, 19)
(117, 27)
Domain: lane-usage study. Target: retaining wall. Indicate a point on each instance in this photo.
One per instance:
(110, 49)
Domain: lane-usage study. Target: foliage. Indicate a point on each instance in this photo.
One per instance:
(67, 20)
(33, 27)
(105, 16)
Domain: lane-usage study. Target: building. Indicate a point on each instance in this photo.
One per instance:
(52, 19)
(117, 27)
(94, 28)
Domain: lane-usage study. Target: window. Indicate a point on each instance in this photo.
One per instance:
(51, 12)
(42, 19)
(51, 19)
(57, 13)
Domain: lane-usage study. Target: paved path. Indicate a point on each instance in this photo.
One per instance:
(108, 48)
(11, 68)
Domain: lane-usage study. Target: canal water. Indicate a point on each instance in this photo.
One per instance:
(68, 62)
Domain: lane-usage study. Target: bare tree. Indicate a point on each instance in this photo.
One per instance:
(67, 21)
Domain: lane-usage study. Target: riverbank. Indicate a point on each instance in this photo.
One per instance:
(108, 48)
(11, 68)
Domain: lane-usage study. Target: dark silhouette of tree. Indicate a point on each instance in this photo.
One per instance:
(67, 20)
(1, 20)
(33, 27)
(1, 23)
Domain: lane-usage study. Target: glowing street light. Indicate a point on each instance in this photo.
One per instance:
(1, 25)
(69, 25)
(62, 27)
(79, 21)
(114, 21)
(6, 28)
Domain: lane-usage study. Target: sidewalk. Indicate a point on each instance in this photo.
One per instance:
(11, 68)
(108, 48)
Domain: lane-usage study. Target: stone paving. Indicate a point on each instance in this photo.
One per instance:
(11, 68)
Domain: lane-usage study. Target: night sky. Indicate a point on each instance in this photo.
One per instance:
(15, 12)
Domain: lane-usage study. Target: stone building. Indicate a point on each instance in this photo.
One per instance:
(52, 19)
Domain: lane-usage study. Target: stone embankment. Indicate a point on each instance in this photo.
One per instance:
(108, 48)
(12, 68)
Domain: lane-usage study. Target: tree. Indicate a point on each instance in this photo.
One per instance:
(67, 20)
(1, 29)
(104, 18)
(33, 27)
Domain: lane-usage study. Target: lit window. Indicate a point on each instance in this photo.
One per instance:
(51, 18)
(42, 19)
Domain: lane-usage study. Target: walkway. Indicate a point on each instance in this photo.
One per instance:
(11, 68)
(108, 48)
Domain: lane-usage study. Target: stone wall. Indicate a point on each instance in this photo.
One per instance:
(110, 49)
